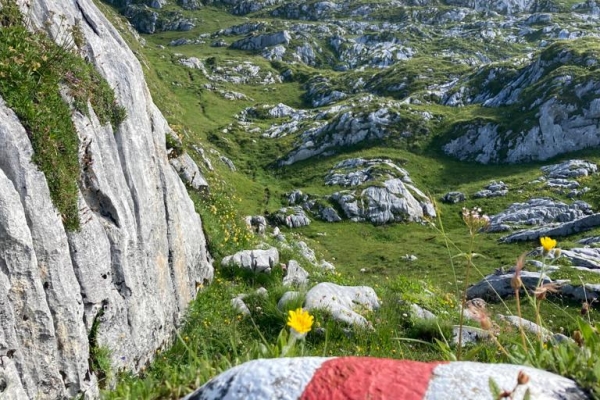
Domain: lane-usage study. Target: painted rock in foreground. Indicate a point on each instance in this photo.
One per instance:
(354, 378)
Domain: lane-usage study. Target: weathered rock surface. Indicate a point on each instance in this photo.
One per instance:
(494, 189)
(140, 251)
(343, 302)
(590, 240)
(583, 257)
(527, 325)
(568, 228)
(587, 292)
(189, 171)
(453, 197)
(255, 260)
(470, 335)
(146, 20)
(497, 286)
(387, 193)
(296, 275)
(367, 377)
(257, 223)
(287, 298)
(558, 124)
(260, 42)
(540, 212)
(570, 169)
(292, 217)
(347, 129)
(421, 313)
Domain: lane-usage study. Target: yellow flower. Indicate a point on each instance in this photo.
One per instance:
(547, 243)
(300, 321)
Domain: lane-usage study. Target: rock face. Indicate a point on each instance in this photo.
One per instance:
(366, 378)
(133, 266)
(556, 125)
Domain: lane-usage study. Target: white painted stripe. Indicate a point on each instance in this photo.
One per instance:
(277, 378)
(470, 380)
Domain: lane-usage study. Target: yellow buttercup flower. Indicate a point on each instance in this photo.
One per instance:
(300, 321)
(547, 243)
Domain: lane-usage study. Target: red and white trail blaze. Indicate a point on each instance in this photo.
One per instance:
(358, 378)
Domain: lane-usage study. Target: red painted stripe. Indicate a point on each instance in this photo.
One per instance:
(359, 378)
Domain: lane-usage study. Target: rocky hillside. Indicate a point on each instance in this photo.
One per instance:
(320, 114)
(119, 271)
(483, 81)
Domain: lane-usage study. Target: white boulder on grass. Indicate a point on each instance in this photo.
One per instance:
(254, 260)
(343, 302)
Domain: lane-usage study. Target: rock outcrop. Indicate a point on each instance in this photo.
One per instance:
(383, 192)
(135, 263)
(554, 122)
(538, 212)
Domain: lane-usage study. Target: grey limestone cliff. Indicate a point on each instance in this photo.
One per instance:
(135, 263)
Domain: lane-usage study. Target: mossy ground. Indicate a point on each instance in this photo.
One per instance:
(216, 337)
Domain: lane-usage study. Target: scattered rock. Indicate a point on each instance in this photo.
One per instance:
(470, 334)
(259, 42)
(497, 286)
(421, 313)
(587, 292)
(570, 169)
(292, 217)
(329, 214)
(307, 252)
(583, 257)
(296, 275)
(257, 224)
(219, 43)
(473, 309)
(347, 129)
(494, 189)
(527, 326)
(389, 195)
(287, 298)
(254, 260)
(228, 162)
(589, 240)
(326, 266)
(239, 305)
(453, 197)
(343, 301)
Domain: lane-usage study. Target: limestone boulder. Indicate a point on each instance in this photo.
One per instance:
(255, 260)
(343, 302)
